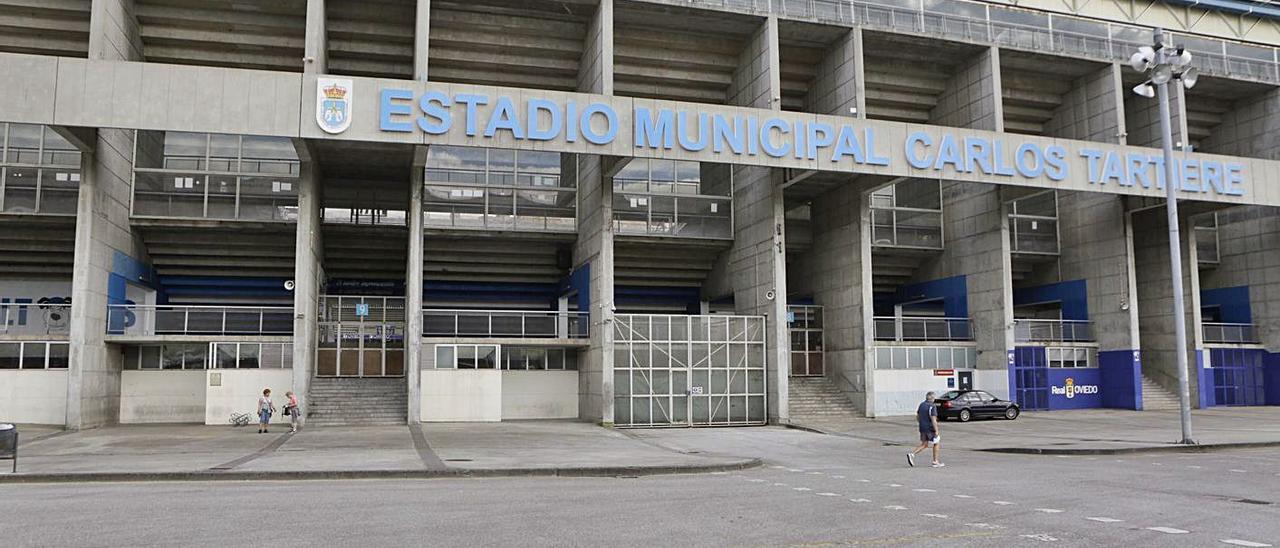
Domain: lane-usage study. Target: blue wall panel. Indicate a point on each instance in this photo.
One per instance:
(1271, 377)
(1232, 301)
(953, 291)
(1121, 376)
(1072, 294)
(1075, 388)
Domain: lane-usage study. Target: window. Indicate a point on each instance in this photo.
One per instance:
(927, 357)
(1069, 358)
(519, 358)
(34, 355)
(467, 356)
(245, 355)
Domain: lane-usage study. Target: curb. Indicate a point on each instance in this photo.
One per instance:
(584, 472)
(1206, 448)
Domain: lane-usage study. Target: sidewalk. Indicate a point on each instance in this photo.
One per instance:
(195, 452)
(1093, 431)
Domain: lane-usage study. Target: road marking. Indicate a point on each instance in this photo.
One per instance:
(963, 496)
(1001, 502)
(859, 500)
(815, 473)
(801, 489)
(1194, 467)
(794, 470)
(719, 473)
(830, 495)
(1041, 537)
(1239, 471)
(1249, 543)
(987, 526)
(938, 516)
(925, 490)
(776, 467)
(1168, 530)
(1105, 520)
(893, 485)
(1050, 510)
(895, 507)
(754, 480)
(779, 485)
(869, 481)
(838, 477)
(1157, 464)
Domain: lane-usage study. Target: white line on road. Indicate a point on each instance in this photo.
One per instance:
(1168, 530)
(801, 489)
(1001, 502)
(938, 516)
(893, 485)
(859, 500)
(1105, 520)
(838, 477)
(985, 526)
(1050, 510)
(836, 494)
(895, 507)
(815, 473)
(1239, 471)
(925, 490)
(1249, 543)
(794, 470)
(779, 485)
(869, 481)
(963, 496)
(1041, 537)
(1194, 467)
(755, 480)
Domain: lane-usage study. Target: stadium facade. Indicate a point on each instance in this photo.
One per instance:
(631, 212)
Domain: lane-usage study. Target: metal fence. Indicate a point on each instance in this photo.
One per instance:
(147, 320)
(972, 21)
(505, 323)
(922, 328)
(1229, 333)
(1028, 330)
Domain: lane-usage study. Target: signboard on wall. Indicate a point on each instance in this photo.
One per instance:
(35, 307)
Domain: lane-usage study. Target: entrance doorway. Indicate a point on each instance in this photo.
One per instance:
(804, 325)
(1031, 378)
(966, 380)
(361, 337)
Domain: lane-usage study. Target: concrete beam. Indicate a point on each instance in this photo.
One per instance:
(421, 39)
(595, 66)
(315, 58)
(113, 31)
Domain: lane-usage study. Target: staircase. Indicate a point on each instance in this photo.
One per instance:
(816, 399)
(352, 401)
(1155, 397)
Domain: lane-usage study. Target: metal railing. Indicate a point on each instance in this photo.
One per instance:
(1230, 333)
(147, 320)
(1033, 234)
(906, 227)
(1028, 330)
(535, 324)
(683, 216)
(922, 328)
(978, 22)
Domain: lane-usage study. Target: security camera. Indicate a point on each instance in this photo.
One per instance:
(288, 285)
(770, 294)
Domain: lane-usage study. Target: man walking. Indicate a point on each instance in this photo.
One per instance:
(927, 416)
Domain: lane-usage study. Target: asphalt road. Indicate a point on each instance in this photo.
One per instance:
(815, 490)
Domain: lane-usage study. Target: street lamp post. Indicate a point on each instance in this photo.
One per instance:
(1162, 62)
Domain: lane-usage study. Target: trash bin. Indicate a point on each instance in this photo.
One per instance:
(9, 444)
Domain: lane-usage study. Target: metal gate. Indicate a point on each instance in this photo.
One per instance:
(1030, 374)
(361, 337)
(1237, 376)
(689, 370)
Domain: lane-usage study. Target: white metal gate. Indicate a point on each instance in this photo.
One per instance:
(672, 370)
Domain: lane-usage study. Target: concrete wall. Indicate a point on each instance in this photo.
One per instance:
(450, 395)
(1249, 255)
(1251, 129)
(976, 240)
(1093, 110)
(900, 392)
(1094, 242)
(1155, 299)
(1142, 118)
(33, 397)
(237, 391)
(594, 251)
(308, 272)
(840, 84)
(162, 396)
(971, 97)
(539, 395)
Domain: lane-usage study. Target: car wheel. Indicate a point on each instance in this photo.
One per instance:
(965, 415)
(1011, 413)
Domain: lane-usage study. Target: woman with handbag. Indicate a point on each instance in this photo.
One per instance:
(265, 410)
(292, 410)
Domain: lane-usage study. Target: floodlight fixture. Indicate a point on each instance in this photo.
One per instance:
(1145, 89)
(1161, 74)
(1181, 57)
(1189, 77)
(1143, 59)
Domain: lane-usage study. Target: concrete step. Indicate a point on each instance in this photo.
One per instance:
(816, 398)
(1156, 398)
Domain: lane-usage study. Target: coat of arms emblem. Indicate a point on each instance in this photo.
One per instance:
(333, 104)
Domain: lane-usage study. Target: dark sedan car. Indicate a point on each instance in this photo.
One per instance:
(970, 404)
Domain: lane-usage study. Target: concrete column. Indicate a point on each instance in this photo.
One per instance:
(976, 240)
(315, 46)
(1251, 129)
(840, 87)
(308, 273)
(594, 251)
(840, 275)
(595, 68)
(971, 97)
(754, 269)
(421, 40)
(1155, 299)
(413, 289)
(1093, 110)
(1095, 244)
(113, 31)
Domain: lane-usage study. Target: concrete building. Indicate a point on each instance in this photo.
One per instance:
(630, 212)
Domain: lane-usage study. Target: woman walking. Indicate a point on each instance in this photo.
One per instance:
(265, 410)
(292, 410)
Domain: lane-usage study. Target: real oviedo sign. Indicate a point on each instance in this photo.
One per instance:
(712, 133)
